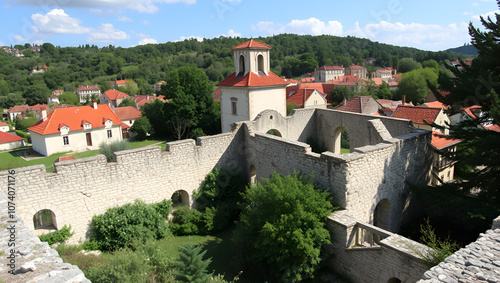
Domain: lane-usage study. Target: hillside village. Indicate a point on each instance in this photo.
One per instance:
(354, 113)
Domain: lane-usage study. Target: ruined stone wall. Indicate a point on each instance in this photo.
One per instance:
(359, 180)
(81, 188)
(394, 257)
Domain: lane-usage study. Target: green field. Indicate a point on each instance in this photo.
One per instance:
(11, 159)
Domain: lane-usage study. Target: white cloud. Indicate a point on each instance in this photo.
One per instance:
(486, 15)
(103, 13)
(145, 22)
(1, 44)
(147, 41)
(311, 26)
(182, 38)
(428, 37)
(124, 19)
(56, 22)
(143, 6)
(230, 33)
(107, 33)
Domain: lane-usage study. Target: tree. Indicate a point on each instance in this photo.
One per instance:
(69, 98)
(38, 93)
(23, 124)
(127, 102)
(430, 64)
(384, 91)
(338, 94)
(282, 227)
(408, 64)
(479, 85)
(191, 267)
(141, 128)
(415, 84)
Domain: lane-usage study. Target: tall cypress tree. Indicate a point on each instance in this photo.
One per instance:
(191, 267)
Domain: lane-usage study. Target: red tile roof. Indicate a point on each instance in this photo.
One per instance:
(252, 79)
(125, 126)
(492, 127)
(39, 107)
(122, 82)
(436, 104)
(355, 104)
(329, 68)
(6, 137)
(19, 108)
(127, 113)
(356, 67)
(114, 94)
(64, 158)
(417, 114)
(2, 124)
(251, 44)
(57, 92)
(441, 141)
(160, 83)
(300, 96)
(73, 117)
(140, 100)
(88, 87)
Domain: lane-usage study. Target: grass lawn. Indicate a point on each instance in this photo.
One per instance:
(345, 151)
(11, 159)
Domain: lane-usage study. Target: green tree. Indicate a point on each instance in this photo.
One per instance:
(38, 93)
(478, 84)
(141, 128)
(154, 111)
(408, 64)
(127, 102)
(415, 84)
(191, 267)
(430, 64)
(282, 227)
(338, 94)
(384, 91)
(69, 98)
(23, 124)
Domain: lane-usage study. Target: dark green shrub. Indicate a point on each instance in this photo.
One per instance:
(109, 149)
(441, 249)
(64, 250)
(191, 267)
(58, 236)
(119, 226)
(164, 208)
(186, 221)
(91, 246)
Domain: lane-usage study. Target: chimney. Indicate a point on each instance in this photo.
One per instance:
(44, 115)
(94, 104)
(403, 99)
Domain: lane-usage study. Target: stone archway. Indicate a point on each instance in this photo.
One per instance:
(274, 132)
(394, 280)
(180, 197)
(253, 174)
(382, 215)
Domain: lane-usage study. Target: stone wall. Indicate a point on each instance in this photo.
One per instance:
(81, 188)
(392, 258)
(24, 258)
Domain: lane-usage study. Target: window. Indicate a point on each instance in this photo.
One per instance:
(66, 140)
(110, 134)
(260, 64)
(233, 106)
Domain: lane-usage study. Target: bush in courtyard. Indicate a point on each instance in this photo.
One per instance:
(163, 207)
(120, 226)
(109, 149)
(191, 267)
(59, 236)
(141, 128)
(441, 249)
(282, 228)
(186, 221)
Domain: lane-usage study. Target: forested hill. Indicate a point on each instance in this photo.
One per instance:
(291, 56)
(466, 49)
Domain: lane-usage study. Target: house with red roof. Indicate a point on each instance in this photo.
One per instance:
(216, 95)
(122, 83)
(423, 117)
(327, 73)
(384, 74)
(355, 70)
(4, 127)
(113, 97)
(307, 98)
(85, 92)
(252, 88)
(19, 111)
(443, 169)
(75, 129)
(473, 113)
(360, 104)
(140, 100)
(9, 141)
(157, 86)
(54, 97)
(127, 115)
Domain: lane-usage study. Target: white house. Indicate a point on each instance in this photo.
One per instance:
(4, 127)
(423, 117)
(328, 73)
(307, 98)
(252, 88)
(75, 129)
(113, 97)
(127, 115)
(9, 141)
(86, 92)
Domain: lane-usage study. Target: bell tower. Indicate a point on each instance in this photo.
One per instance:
(252, 88)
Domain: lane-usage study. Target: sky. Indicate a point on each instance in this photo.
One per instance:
(424, 24)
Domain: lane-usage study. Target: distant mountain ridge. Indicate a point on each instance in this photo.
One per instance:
(466, 49)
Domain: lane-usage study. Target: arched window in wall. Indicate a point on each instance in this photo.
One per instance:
(234, 105)
(45, 219)
(260, 64)
(242, 65)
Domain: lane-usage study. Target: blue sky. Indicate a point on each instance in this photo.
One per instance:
(429, 25)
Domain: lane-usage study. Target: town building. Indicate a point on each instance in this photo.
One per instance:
(140, 100)
(443, 168)
(157, 86)
(423, 117)
(127, 116)
(19, 111)
(9, 141)
(356, 70)
(122, 83)
(252, 88)
(4, 127)
(86, 92)
(113, 97)
(327, 73)
(473, 113)
(385, 75)
(307, 98)
(360, 104)
(54, 97)
(75, 129)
